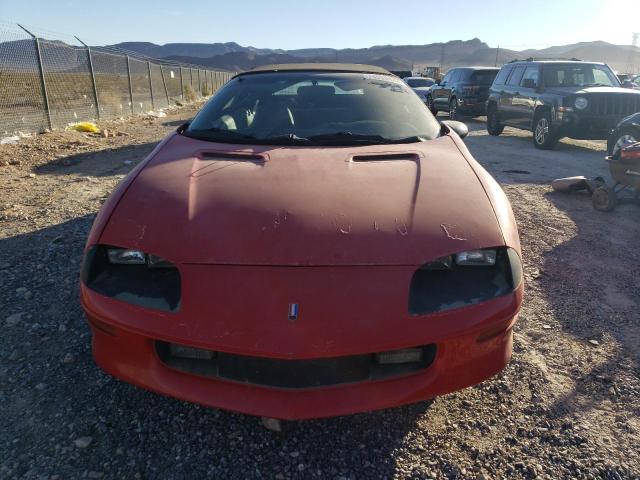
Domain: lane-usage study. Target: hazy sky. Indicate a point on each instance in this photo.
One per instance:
(516, 24)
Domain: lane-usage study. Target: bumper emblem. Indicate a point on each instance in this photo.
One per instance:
(293, 311)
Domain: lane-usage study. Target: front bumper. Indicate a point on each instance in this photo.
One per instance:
(473, 344)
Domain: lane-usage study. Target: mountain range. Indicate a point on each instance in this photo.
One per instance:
(234, 57)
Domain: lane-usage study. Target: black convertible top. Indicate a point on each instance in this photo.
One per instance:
(321, 67)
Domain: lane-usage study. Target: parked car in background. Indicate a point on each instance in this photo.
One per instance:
(625, 133)
(402, 73)
(462, 91)
(557, 98)
(420, 85)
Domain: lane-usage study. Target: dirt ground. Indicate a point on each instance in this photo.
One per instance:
(568, 405)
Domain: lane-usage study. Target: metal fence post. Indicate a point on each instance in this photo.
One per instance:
(43, 82)
(130, 86)
(153, 105)
(164, 84)
(191, 77)
(199, 84)
(181, 85)
(93, 78)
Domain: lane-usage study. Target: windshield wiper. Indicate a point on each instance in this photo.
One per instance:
(288, 139)
(349, 138)
(220, 135)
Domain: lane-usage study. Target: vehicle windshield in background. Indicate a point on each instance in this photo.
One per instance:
(419, 82)
(483, 77)
(579, 75)
(314, 108)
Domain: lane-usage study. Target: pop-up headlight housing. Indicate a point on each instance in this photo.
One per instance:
(465, 278)
(132, 276)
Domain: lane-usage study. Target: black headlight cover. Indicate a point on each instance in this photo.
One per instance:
(438, 289)
(144, 285)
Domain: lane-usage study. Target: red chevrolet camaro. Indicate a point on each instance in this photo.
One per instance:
(314, 243)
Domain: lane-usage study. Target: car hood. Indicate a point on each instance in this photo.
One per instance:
(206, 203)
(588, 90)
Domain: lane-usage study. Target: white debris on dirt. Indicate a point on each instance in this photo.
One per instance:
(563, 408)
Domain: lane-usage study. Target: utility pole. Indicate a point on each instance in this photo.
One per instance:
(497, 52)
(442, 57)
(631, 64)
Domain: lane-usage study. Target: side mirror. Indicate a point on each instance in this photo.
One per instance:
(460, 128)
(529, 83)
(437, 82)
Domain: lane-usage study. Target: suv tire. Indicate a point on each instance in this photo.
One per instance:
(494, 127)
(431, 105)
(543, 135)
(453, 109)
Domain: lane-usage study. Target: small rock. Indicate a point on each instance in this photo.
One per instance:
(5, 163)
(83, 442)
(68, 358)
(46, 130)
(594, 342)
(104, 133)
(14, 319)
(14, 162)
(295, 454)
(32, 175)
(127, 162)
(41, 386)
(62, 328)
(546, 327)
(28, 295)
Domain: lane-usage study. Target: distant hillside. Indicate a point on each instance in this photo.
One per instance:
(231, 56)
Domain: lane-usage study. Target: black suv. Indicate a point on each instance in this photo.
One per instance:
(557, 98)
(462, 91)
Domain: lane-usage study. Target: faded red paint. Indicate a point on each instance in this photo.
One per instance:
(310, 226)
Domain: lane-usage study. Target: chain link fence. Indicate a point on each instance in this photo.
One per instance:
(49, 83)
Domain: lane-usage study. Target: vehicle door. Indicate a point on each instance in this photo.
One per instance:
(511, 87)
(440, 95)
(524, 98)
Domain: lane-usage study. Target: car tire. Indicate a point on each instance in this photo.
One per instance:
(494, 127)
(432, 105)
(543, 136)
(453, 109)
(604, 199)
(625, 136)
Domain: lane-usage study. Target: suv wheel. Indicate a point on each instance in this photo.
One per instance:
(431, 105)
(453, 109)
(543, 135)
(494, 127)
(624, 138)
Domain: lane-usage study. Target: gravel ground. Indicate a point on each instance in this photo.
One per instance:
(567, 406)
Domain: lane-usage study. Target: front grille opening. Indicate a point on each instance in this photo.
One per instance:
(459, 286)
(296, 374)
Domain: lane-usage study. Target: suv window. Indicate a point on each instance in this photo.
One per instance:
(516, 76)
(457, 73)
(579, 75)
(448, 76)
(502, 76)
(530, 73)
(483, 77)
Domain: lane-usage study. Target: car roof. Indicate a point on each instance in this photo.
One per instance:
(475, 67)
(318, 67)
(555, 60)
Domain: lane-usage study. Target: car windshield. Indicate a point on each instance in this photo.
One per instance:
(314, 108)
(419, 82)
(483, 77)
(579, 75)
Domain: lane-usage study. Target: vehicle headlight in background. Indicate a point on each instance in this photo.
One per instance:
(581, 103)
